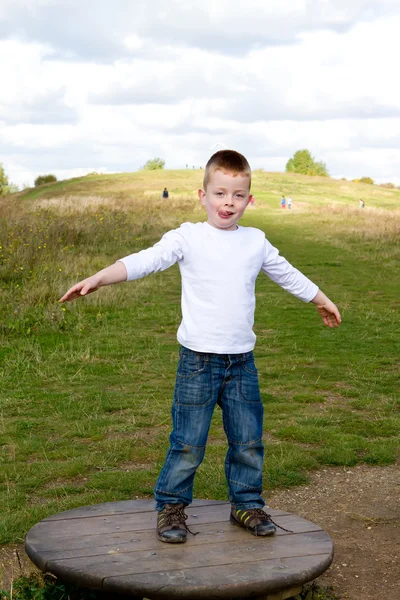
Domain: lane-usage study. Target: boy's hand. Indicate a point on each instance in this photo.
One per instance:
(330, 314)
(87, 286)
(115, 273)
(328, 311)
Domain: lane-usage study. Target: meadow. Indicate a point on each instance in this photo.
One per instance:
(86, 387)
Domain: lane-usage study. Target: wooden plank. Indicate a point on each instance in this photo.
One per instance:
(214, 583)
(171, 556)
(97, 544)
(128, 522)
(124, 506)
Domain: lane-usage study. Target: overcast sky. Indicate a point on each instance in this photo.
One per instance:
(95, 85)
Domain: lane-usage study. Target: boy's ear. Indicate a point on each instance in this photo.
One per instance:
(250, 199)
(202, 197)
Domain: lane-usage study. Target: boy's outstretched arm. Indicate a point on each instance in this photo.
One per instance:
(115, 273)
(328, 311)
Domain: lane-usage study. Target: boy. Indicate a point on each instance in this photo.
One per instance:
(219, 263)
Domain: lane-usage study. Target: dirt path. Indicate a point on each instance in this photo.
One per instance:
(358, 507)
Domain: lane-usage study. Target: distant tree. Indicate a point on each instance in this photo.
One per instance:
(366, 180)
(45, 179)
(3, 181)
(154, 164)
(302, 162)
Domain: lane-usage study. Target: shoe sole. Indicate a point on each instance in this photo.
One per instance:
(238, 524)
(171, 541)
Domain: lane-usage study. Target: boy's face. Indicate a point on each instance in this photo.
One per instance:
(225, 199)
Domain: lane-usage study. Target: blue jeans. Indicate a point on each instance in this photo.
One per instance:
(202, 381)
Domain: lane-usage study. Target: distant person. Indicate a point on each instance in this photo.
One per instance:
(362, 203)
(283, 202)
(219, 261)
(165, 193)
(289, 202)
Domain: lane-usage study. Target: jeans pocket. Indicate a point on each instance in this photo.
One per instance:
(249, 388)
(191, 364)
(193, 380)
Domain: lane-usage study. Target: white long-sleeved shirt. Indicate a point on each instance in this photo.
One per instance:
(219, 269)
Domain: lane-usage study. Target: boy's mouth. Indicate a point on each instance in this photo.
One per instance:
(225, 214)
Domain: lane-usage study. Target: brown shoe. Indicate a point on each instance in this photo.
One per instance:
(171, 524)
(254, 520)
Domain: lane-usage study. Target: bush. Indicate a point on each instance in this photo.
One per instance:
(303, 163)
(42, 179)
(366, 180)
(154, 164)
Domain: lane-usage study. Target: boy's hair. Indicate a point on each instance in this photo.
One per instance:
(228, 161)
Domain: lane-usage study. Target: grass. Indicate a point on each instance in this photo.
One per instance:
(86, 387)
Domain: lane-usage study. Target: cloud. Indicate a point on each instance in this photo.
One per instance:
(46, 109)
(78, 31)
(112, 87)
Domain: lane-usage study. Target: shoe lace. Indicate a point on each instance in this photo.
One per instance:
(176, 514)
(259, 513)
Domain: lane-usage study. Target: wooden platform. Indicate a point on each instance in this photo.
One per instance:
(113, 547)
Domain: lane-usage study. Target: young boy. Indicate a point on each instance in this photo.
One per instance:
(219, 263)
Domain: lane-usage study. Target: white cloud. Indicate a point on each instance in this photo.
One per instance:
(110, 88)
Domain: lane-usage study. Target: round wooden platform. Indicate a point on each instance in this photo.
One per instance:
(113, 547)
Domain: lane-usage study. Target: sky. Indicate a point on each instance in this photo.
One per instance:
(105, 86)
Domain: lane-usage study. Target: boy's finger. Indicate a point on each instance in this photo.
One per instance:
(72, 293)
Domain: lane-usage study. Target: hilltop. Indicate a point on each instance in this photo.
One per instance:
(267, 187)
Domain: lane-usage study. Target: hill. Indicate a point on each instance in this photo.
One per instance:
(267, 187)
(86, 388)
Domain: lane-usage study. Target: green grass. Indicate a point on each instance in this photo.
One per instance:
(86, 387)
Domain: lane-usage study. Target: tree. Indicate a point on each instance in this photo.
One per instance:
(45, 179)
(3, 181)
(366, 180)
(302, 162)
(154, 164)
